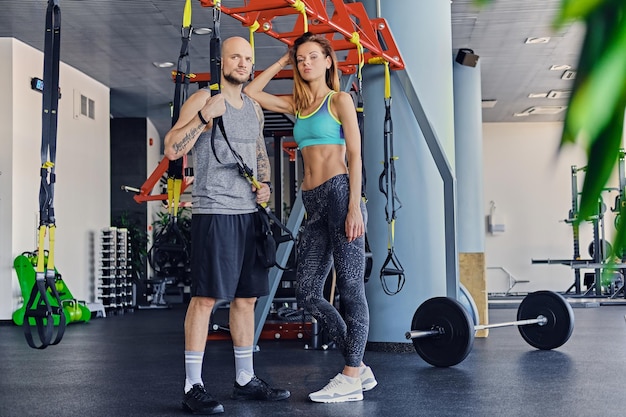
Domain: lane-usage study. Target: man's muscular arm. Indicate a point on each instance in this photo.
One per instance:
(183, 135)
(263, 161)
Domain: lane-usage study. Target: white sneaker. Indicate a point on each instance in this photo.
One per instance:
(368, 381)
(339, 390)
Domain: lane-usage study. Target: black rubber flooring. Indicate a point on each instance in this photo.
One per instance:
(133, 365)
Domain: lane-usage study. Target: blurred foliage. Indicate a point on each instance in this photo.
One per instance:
(595, 114)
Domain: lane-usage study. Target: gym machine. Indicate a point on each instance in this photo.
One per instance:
(600, 260)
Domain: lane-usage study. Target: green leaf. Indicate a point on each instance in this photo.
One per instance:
(576, 10)
(592, 105)
(603, 156)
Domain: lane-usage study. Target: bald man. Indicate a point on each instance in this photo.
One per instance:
(224, 265)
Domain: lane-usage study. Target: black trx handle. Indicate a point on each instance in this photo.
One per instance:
(387, 186)
(38, 306)
(42, 312)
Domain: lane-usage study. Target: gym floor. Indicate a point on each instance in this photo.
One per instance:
(132, 365)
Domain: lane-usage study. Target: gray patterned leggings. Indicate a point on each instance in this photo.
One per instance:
(322, 242)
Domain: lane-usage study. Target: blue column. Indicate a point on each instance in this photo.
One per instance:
(422, 31)
(469, 160)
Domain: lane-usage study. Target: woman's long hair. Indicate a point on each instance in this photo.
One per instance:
(301, 93)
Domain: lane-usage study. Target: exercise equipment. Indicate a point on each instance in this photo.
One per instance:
(443, 331)
(73, 310)
(348, 19)
(43, 305)
(387, 185)
(600, 260)
(330, 18)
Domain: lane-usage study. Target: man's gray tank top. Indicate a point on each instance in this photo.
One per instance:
(220, 188)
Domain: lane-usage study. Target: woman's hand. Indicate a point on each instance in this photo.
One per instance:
(355, 227)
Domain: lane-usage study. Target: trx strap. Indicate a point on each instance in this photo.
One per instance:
(244, 170)
(300, 6)
(38, 306)
(387, 186)
(170, 250)
(182, 78)
(175, 168)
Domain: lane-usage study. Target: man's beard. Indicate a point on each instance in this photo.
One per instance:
(232, 79)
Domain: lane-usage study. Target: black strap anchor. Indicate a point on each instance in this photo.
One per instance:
(39, 306)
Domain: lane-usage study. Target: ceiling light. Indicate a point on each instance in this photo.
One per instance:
(560, 67)
(544, 39)
(488, 104)
(203, 31)
(537, 95)
(165, 64)
(568, 75)
(541, 110)
(559, 93)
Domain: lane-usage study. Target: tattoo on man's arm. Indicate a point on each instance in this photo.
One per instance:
(179, 147)
(263, 162)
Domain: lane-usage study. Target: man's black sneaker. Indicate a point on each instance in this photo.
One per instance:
(198, 401)
(257, 389)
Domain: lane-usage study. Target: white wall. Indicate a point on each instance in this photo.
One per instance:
(81, 200)
(6, 132)
(530, 184)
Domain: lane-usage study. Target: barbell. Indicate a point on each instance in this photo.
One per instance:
(443, 330)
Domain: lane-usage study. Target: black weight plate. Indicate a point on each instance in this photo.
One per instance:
(560, 317)
(457, 331)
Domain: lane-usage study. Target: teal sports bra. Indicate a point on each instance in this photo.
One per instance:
(319, 128)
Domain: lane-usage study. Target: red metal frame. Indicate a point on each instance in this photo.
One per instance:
(147, 187)
(343, 21)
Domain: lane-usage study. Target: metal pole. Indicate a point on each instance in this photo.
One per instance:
(416, 334)
(540, 320)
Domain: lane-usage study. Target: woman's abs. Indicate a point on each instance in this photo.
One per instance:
(321, 163)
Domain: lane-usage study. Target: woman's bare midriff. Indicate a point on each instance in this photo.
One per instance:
(321, 163)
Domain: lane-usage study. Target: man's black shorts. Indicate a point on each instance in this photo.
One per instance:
(223, 257)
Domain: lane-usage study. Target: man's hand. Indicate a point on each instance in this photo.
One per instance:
(214, 106)
(262, 194)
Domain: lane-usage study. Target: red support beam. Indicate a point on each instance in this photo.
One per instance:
(147, 187)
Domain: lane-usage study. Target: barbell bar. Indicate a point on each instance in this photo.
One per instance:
(443, 331)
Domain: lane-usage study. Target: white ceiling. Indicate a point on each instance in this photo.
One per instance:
(116, 42)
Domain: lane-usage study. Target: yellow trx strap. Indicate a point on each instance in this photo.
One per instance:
(253, 28)
(187, 14)
(300, 6)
